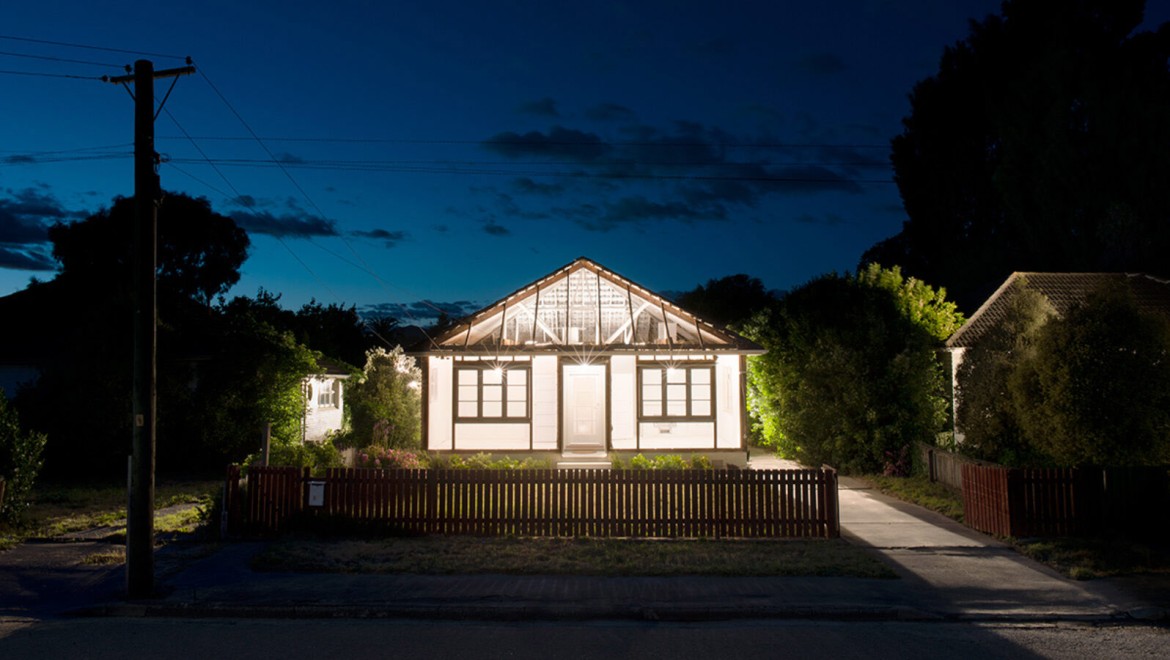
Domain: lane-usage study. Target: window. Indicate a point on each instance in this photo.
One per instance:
(489, 394)
(329, 394)
(685, 392)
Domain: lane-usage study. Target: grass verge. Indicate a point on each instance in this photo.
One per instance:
(437, 555)
(922, 491)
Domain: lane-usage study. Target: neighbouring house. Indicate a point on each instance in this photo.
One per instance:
(583, 364)
(1063, 291)
(324, 400)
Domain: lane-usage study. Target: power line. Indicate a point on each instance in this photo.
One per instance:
(521, 142)
(48, 75)
(89, 47)
(360, 166)
(62, 59)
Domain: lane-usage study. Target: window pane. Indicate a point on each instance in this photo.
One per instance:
(652, 376)
(468, 409)
(517, 376)
(493, 409)
(468, 376)
(651, 408)
(700, 392)
(651, 392)
(493, 393)
(701, 376)
(493, 376)
(517, 408)
(676, 408)
(468, 393)
(676, 393)
(676, 375)
(701, 408)
(517, 393)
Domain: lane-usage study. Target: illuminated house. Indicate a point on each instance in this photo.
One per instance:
(583, 364)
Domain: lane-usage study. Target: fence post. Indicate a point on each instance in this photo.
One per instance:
(831, 502)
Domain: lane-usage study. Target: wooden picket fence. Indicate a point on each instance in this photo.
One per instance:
(1065, 501)
(596, 503)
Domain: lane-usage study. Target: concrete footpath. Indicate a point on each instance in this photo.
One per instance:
(946, 572)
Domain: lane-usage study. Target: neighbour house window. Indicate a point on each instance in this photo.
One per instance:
(683, 392)
(489, 394)
(329, 395)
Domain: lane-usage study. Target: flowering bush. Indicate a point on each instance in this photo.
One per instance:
(389, 459)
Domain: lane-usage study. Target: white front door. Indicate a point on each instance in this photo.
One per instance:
(584, 406)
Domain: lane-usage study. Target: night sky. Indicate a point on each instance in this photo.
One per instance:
(383, 153)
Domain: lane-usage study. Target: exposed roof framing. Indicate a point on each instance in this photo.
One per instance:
(584, 306)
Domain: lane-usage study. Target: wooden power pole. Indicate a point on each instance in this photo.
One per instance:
(140, 510)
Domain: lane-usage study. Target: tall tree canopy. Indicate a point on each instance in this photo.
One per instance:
(727, 301)
(1041, 144)
(199, 251)
(851, 376)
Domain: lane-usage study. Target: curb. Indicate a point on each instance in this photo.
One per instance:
(543, 612)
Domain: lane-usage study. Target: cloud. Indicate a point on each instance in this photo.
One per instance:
(288, 225)
(684, 172)
(821, 64)
(289, 159)
(610, 112)
(495, 229)
(526, 185)
(420, 312)
(389, 238)
(20, 159)
(26, 259)
(559, 142)
(25, 217)
(545, 107)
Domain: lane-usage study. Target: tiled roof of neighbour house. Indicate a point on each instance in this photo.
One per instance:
(1063, 291)
(584, 305)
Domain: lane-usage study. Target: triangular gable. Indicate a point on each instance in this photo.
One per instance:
(584, 305)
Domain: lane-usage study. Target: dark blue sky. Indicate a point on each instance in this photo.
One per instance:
(453, 151)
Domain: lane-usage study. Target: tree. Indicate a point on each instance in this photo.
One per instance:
(1038, 146)
(1096, 389)
(851, 377)
(255, 379)
(385, 404)
(332, 329)
(727, 301)
(985, 411)
(20, 461)
(199, 251)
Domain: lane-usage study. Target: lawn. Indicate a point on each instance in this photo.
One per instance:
(438, 555)
(58, 509)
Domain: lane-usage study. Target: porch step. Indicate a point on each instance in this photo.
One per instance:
(585, 460)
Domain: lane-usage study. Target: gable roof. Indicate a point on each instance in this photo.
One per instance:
(580, 306)
(1063, 291)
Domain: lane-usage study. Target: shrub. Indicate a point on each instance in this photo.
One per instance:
(20, 461)
(484, 461)
(666, 462)
(384, 405)
(389, 459)
(314, 455)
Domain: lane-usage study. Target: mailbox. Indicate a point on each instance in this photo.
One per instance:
(316, 493)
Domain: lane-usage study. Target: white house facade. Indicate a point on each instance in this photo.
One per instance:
(324, 403)
(583, 364)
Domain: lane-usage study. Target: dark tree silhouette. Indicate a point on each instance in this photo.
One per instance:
(199, 251)
(727, 301)
(1041, 144)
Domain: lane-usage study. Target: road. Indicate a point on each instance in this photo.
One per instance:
(259, 638)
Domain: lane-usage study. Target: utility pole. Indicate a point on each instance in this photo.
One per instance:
(140, 509)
